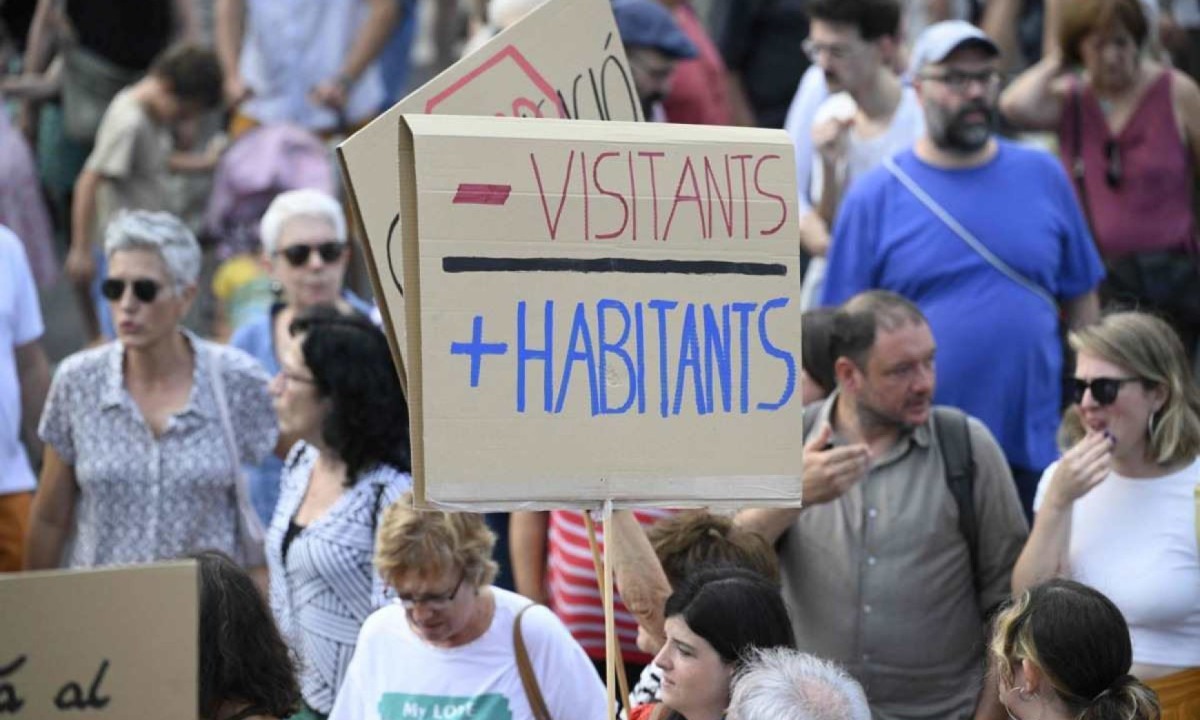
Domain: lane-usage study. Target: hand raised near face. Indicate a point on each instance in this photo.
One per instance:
(830, 471)
(1081, 469)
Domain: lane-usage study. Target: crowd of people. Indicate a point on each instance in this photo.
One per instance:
(1001, 433)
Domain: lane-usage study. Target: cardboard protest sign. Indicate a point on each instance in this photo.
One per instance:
(117, 643)
(563, 60)
(600, 311)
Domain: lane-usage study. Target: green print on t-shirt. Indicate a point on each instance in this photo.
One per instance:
(402, 706)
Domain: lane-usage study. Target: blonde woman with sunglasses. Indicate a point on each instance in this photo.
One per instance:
(144, 435)
(1119, 510)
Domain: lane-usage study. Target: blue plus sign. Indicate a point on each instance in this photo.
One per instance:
(476, 349)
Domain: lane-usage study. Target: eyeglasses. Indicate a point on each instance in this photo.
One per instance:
(1104, 390)
(835, 52)
(144, 289)
(297, 255)
(433, 602)
(960, 80)
(1112, 171)
(289, 377)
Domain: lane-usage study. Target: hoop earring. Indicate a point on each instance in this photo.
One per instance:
(1151, 426)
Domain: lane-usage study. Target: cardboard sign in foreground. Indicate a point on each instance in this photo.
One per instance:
(600, 311)
(117, 643)
(563, 60)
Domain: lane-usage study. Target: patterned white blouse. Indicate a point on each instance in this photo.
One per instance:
(143, 498)
(326, 586)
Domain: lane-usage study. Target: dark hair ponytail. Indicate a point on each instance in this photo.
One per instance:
(1126, 699)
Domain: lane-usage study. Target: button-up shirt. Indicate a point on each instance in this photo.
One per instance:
(144, 498)
(881, 578)
(291, 47)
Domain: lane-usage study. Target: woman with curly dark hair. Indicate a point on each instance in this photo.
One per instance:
(246, 671)
(338, 392)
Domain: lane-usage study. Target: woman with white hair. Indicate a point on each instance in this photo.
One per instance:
(144, 435)
(305, 247)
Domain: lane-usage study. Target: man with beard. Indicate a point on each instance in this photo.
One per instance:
(877, 571)
(653, 42)
(986, 236)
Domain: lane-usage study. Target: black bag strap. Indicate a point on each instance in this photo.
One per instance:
(954, 438)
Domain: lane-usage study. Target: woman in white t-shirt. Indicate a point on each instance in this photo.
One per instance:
(1119, 511)
(447, 647)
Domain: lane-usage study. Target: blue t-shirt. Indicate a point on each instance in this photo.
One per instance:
(999, 355)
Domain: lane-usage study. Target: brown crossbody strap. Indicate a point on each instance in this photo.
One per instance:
(533, 693)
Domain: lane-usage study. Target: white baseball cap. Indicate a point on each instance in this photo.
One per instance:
(940, 39)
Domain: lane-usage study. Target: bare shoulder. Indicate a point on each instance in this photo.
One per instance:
(1186, 93)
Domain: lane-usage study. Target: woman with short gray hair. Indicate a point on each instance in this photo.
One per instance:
(144, 435)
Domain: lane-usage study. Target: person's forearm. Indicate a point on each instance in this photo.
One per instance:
(1024, 102)
(33, 369)
(1044, 555)
(39, 47)
(372, 37)
(814, 234)
(186, 28)
(831, 191)
(83, 209)
(228, 31)
(191, 162)
(527, 549)
(1051, 21)
(1000, 23)
(639, 575)
(771, 523)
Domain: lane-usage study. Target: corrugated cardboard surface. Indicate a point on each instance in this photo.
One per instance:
(564, 59)
(608, 222)
(141, 621)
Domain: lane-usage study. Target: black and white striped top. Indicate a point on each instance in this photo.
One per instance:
(326, 586)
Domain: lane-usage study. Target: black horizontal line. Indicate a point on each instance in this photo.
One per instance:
(610, 265)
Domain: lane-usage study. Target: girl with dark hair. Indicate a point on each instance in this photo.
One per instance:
(246, 672)
(714, 619)
(338, 392)
(1062, 652)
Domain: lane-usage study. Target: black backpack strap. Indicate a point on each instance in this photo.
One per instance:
(954, 438)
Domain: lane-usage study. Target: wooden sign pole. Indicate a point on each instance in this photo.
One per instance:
(603, 581)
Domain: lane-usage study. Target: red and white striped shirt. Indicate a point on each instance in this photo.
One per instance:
(574, 592)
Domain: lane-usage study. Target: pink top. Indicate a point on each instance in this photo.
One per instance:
(1150, 206)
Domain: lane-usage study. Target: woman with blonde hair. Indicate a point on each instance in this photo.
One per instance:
(1118, 511)
(466, 648)
(1061, 651)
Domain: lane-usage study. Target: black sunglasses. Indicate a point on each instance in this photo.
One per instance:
(145, 290)
(297, 255)
(1104, 390)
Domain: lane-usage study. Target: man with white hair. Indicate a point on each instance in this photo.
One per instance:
(784, 684)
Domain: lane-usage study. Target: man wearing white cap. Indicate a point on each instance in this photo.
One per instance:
(987, 238)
